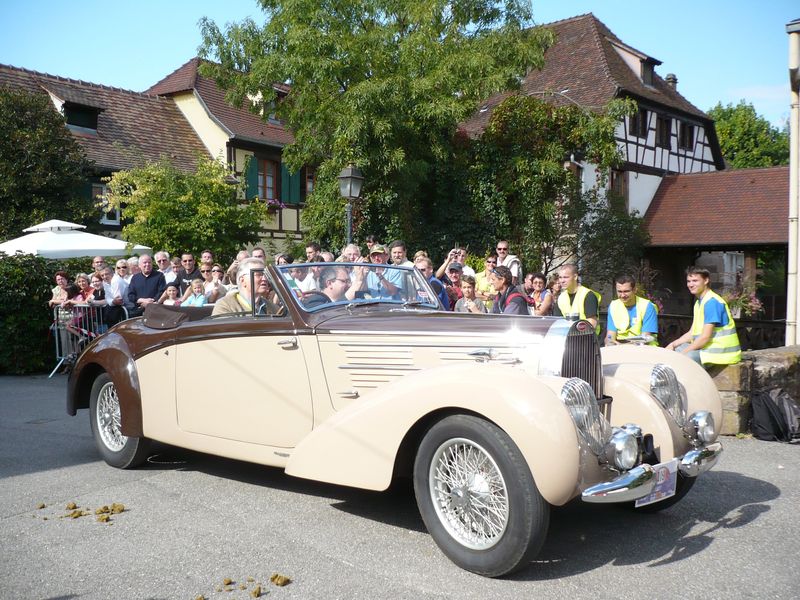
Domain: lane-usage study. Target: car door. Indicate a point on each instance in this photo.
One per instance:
(243, 378)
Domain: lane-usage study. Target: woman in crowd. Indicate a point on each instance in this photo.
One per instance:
(60, 291)
(542, 298)
(484, 290)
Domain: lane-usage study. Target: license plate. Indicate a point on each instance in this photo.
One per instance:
(666, 475)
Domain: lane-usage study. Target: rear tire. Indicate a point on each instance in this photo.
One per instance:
(477, 496)
(105, 417)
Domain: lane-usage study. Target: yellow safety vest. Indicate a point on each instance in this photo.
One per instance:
(723, 348)
(625, 329)
(576, 306)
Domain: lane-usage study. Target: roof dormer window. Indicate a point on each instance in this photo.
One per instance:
(81, 118)
(648, 72)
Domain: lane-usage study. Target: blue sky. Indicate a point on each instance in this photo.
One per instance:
(721, 50)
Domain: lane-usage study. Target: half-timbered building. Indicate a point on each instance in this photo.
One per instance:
(588, 66)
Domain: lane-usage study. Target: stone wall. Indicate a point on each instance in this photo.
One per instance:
(759, 370)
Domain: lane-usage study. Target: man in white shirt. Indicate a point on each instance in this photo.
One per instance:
(511, 261)
(165, 266)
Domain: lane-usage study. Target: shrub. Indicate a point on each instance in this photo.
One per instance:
(25, 318)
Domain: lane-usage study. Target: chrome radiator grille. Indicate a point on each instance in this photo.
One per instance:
(582, 357)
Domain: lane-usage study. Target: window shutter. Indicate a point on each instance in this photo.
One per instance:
(251, 178)
(290, 185)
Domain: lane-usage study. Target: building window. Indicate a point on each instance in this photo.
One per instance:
(663, 131)
(686, 136)
(647, 73)
(267, 180)
(81, 118)
(109, 216)
(618, 191)
(638, 123)
(310, 180)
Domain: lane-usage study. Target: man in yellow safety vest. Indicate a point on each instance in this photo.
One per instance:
(576, 299)
(712, 340)
(630, 315)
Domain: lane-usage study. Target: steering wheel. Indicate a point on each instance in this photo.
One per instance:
(314, 299)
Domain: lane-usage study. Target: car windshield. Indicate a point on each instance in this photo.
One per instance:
(318, 286)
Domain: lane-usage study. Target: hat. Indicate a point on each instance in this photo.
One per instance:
(454, 266)
(377, 249)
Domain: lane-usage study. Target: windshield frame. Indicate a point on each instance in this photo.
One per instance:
(414, 292)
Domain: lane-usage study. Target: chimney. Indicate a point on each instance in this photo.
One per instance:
(672, 80)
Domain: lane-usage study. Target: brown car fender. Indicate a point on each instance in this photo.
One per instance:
(358, 445)
(110, 353)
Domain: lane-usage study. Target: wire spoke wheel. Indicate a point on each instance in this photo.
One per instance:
(477, 496)
(118, 450)
(469, 493)
(109, 418)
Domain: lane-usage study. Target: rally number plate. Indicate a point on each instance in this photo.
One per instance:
(666, 479)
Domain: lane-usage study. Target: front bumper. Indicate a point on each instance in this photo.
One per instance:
(640, 481)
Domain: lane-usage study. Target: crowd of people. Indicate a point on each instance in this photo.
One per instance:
(502, 287)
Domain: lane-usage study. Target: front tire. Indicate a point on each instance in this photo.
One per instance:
(105, 414)
(477, 496)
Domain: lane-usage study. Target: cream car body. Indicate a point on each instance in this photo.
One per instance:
(356, 392)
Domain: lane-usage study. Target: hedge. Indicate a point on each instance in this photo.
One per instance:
(26, 342)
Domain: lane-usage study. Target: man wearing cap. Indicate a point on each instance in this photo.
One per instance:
(452, 283)
(383, 283)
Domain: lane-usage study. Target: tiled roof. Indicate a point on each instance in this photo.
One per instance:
(584, 65)
(724, 208)
(240, 122)
(132, 128)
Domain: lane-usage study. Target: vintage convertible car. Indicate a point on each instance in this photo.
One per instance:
(496, 418)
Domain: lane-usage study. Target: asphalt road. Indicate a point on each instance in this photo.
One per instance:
(192, 520)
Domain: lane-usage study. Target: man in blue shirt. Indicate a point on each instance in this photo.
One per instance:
(383, 283)
(630, 315)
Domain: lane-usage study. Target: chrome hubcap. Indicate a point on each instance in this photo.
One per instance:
(109, 420)
(469, 493)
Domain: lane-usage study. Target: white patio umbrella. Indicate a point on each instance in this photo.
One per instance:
(61, 239)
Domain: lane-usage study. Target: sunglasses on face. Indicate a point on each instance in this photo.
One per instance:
(205, 270)
(216, 271)
(122, 267)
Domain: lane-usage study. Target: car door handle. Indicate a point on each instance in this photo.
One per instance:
(349, 394)
(483, 354)
(288, 342)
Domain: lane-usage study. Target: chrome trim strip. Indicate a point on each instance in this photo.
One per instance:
(700, 460)
(371, 367)
(634, 484)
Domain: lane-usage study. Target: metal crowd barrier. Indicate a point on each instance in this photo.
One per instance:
(75, 326)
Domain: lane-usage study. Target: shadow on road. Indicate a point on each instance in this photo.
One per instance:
(583, 537)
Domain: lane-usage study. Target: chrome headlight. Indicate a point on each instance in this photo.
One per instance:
(622, 450)
(578, 397)
(665, 387)
(701, 427)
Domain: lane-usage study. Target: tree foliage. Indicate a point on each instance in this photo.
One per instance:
(747, 139)
(168, 209)
(42, 167)
(379, 83)
(520, 188)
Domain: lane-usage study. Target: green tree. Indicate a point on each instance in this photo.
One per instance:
(168, 209)
(42, 168)
(521, 191)
(379, 83)
(748, 140)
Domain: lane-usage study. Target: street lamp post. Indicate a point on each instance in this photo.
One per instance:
(350, 182)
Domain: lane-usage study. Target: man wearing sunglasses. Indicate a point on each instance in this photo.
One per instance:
(188, 273)
(504, 259)
(165, 266)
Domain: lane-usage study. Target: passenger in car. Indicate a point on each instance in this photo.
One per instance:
(245, 298)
